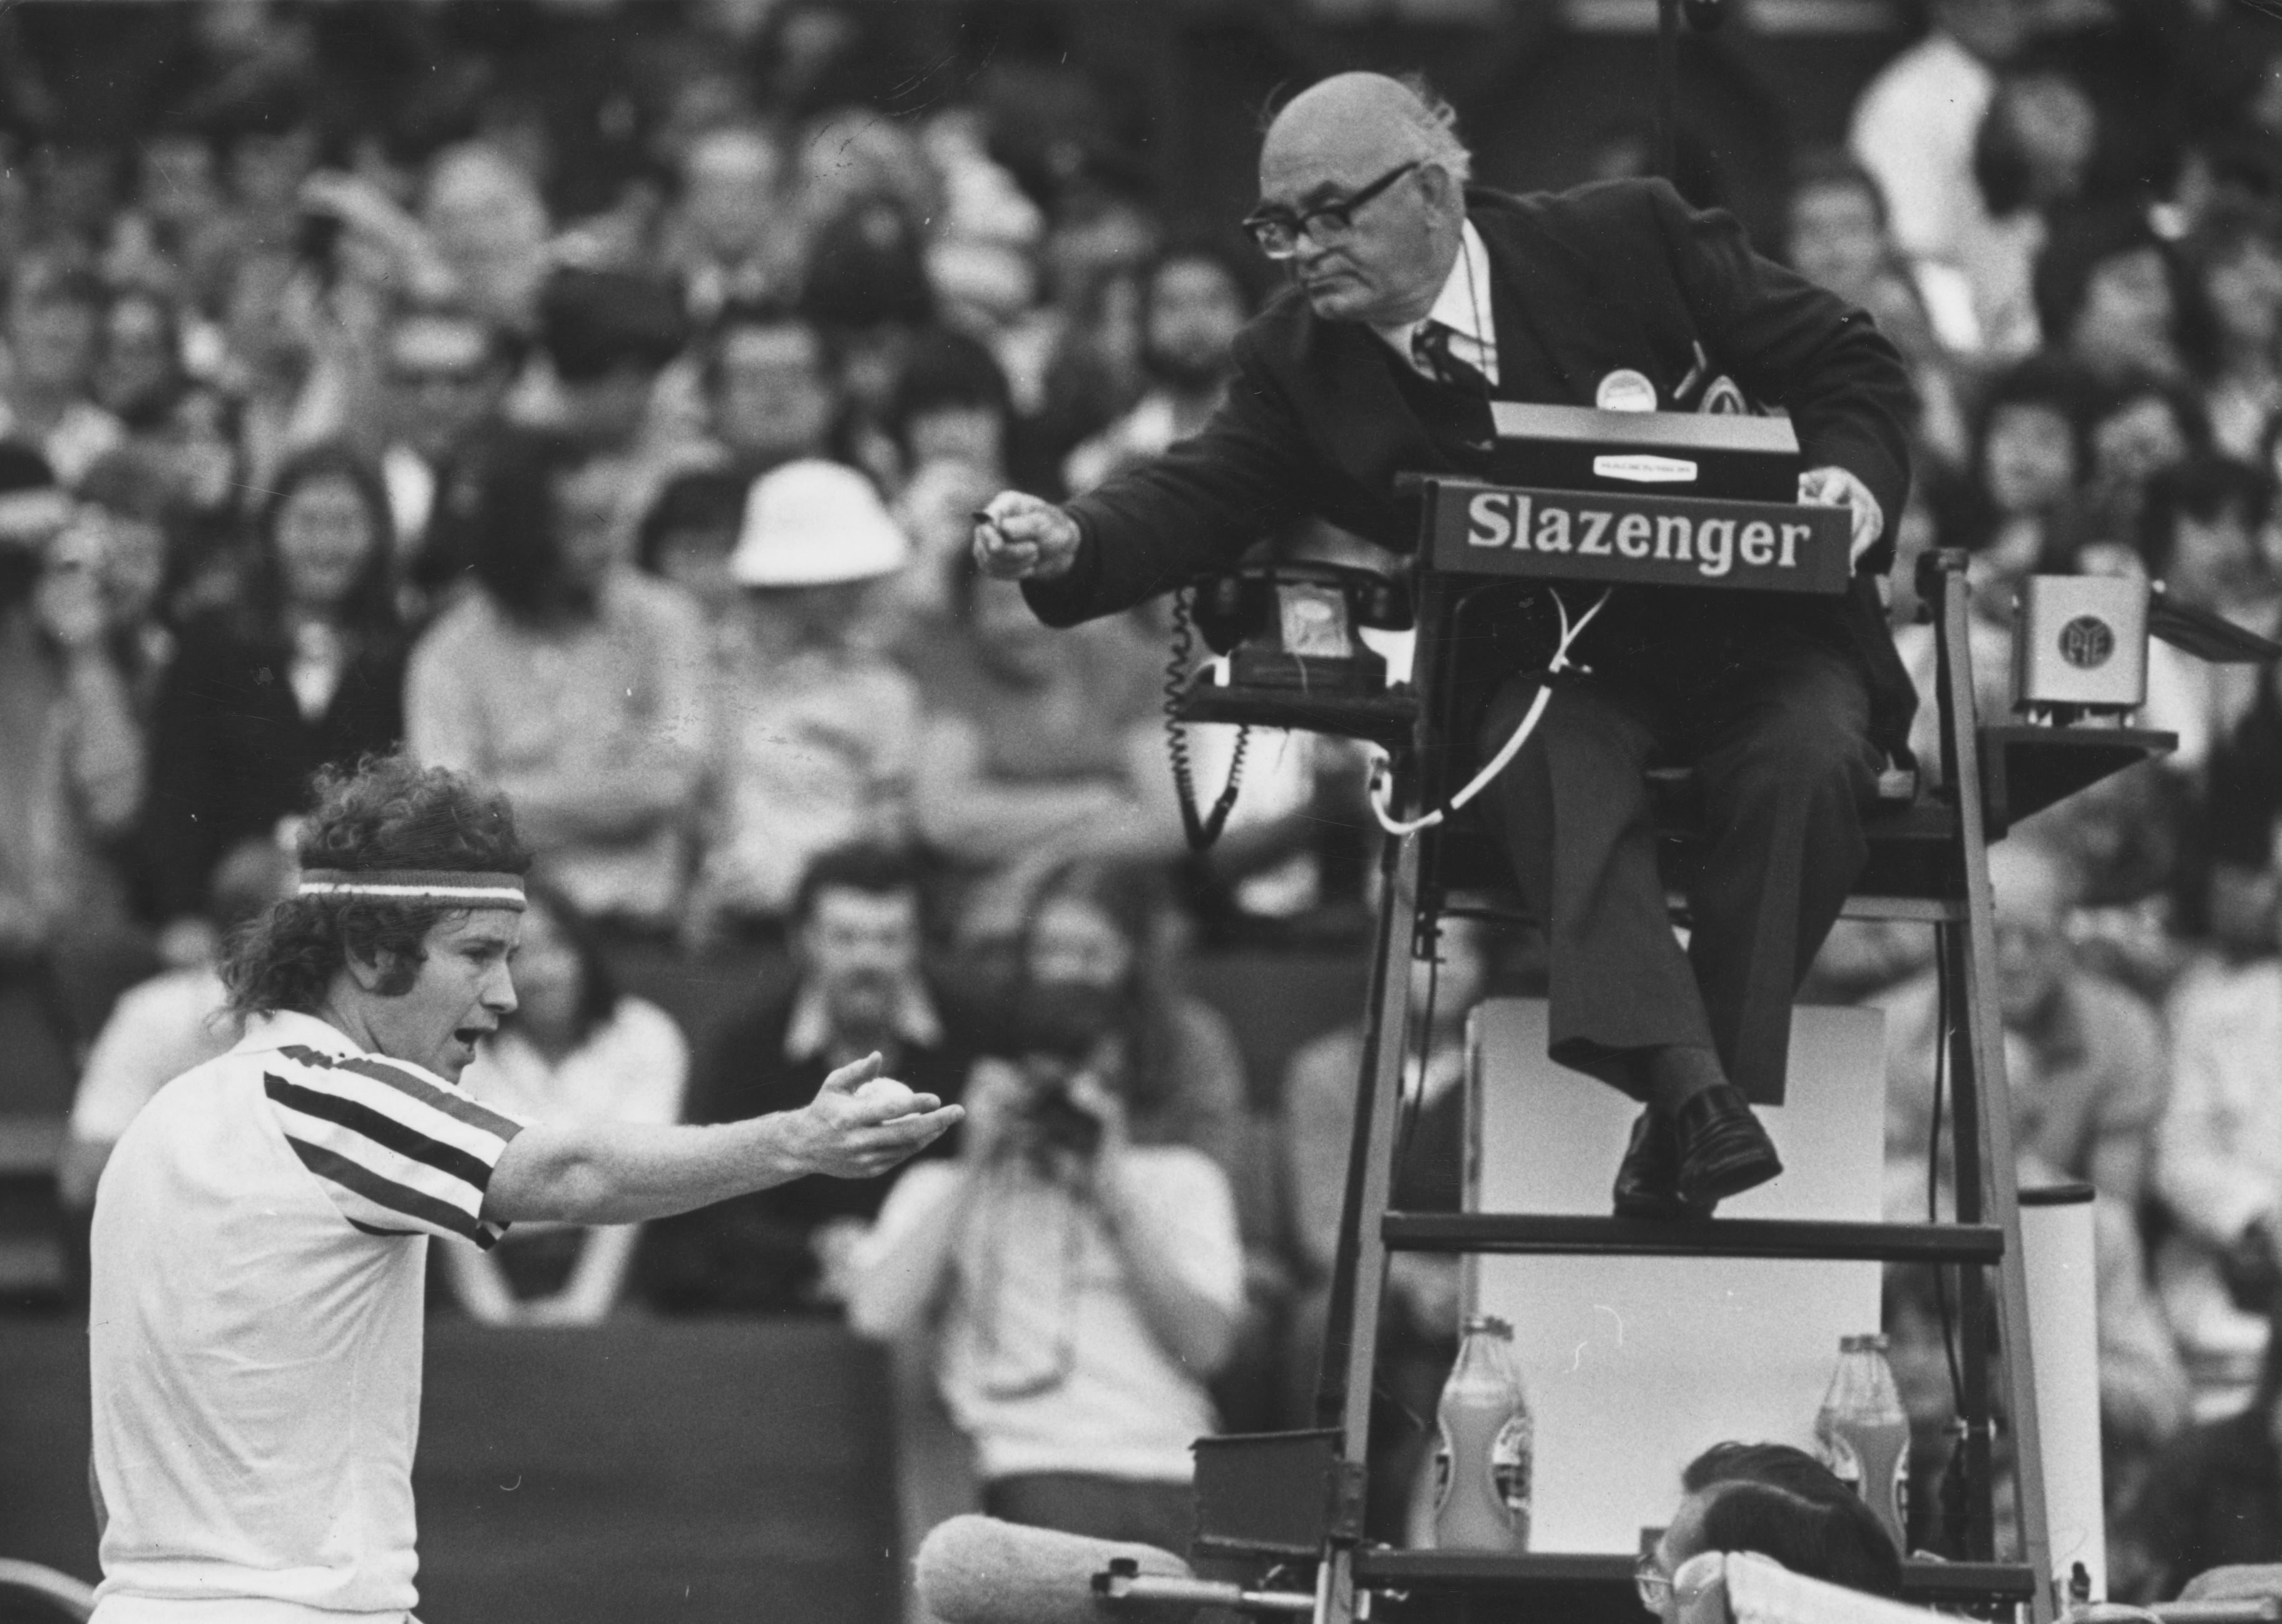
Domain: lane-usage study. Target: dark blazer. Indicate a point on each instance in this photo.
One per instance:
(1323, 415)
(232, 754)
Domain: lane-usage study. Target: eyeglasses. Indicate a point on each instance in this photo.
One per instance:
(1278, 230)
(1652, 1584)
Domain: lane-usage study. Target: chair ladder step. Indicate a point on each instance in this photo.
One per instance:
(1577, 1234)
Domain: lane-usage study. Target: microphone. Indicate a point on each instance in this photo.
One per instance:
(978, 1570)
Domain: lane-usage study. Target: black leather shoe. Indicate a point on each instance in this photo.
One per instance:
(1649, 1177)
(1722, 1149)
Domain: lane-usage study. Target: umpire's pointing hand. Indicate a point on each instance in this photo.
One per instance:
(1019, 538)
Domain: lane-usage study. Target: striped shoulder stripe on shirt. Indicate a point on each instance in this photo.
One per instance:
(399, 1153)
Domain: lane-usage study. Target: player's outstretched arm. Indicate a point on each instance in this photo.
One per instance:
(859, 1125)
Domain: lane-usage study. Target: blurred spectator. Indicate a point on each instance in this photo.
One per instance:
(607, 335)
(865, 285)
(197, 443)
(306, 668)
(1193, 303)
(572, 682)
(2218, 1158)
(2213, 1497)
(1094, 373)
(732, 236)
(1418, 1335)
(447, 373)
(2144, 1390)
(74, 786)
(1095, 983)
(2084, 1059)
(179, 199)
(772, 386)
(2111, 296)
(164, 1026)
(2139, 428)
(489, 227)
(858, 985)
(139, 373)
(1836, 236)
(1039, 746)
(128, 498)
(952, 419)
(2020, 510)
(689, 535)
(2237, 255)
(2031, 157)
(818, 733)
(1082, 1263)
(981, 258)
(53, 330)
(2199, 528)
(951, 405)
(2126, 838)
(576, 1049)
(2242, 881)
(1915, 123)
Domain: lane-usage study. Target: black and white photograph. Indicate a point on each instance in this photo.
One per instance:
(1140, 811)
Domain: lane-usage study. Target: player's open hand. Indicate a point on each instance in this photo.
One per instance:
(1020, 538)
(1835, 487)
(862, 1124)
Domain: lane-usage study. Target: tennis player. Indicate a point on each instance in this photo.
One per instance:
(260, 1239)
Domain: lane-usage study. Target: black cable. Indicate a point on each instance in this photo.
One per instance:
(1202, 831)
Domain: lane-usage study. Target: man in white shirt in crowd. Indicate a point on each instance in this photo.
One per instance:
(258, 1258)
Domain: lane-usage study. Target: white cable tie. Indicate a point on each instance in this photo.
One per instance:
(1381, 791)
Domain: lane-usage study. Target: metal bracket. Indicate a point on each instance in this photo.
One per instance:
(1348, 1492)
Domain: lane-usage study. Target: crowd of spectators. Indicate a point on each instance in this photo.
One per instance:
(651, 506)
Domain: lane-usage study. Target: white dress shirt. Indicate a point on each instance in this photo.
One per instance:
(1464, 306)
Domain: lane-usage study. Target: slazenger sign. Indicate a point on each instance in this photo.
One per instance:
(1653, 540)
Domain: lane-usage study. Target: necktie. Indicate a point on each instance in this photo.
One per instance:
(1430, 348)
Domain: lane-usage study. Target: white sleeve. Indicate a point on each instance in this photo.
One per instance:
(1187, 1194)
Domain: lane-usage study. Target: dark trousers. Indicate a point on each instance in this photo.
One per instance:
(1778, 735)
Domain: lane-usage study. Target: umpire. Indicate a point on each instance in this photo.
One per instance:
(1417, 300)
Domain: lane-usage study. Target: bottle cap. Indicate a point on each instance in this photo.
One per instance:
(1490, 1323)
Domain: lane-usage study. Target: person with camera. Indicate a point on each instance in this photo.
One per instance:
(1082, 1269)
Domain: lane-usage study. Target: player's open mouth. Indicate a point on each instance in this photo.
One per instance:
(471, 1035)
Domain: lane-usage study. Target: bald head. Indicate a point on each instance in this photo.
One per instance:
(1339, 140)
(2030, 884)
(2033, 887)
(1376, 118)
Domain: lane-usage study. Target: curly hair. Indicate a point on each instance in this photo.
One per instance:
(384, 812)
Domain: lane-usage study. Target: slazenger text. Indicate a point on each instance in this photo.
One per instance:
(1524, 523)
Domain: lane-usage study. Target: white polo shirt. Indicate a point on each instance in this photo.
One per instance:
(260, 1262)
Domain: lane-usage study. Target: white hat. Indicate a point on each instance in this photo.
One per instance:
(814, 523)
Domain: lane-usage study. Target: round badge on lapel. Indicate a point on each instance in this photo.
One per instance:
(1625, 391)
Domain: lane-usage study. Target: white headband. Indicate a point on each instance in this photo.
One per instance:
(470, 890)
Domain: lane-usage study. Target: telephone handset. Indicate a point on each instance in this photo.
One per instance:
(1292, 626)
(1286, 626)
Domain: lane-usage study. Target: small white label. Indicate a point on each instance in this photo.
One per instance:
(1643, 469)
(1625, 391)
